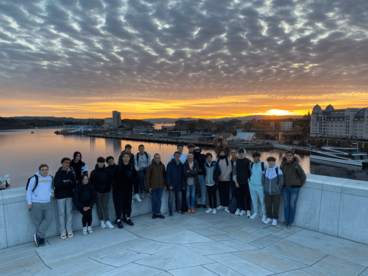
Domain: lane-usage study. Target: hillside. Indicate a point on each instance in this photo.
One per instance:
(10, 123)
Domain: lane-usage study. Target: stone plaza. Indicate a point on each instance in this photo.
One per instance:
(190, 244)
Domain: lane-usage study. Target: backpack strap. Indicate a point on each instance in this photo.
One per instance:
(277, 171)
(137, 157)
(251, 165)
(36, 182)
(263, 167)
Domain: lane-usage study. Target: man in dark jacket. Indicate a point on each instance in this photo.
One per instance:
(128, 149)
(155, 184)
(64, 184)
(294, 179)
(124, 178)
(175, 182)
(102, 181)
(111, 166)
(241, 175)
(201, 159)
(190, 171)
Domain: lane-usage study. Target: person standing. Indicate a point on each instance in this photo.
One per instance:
(191, 148)
(64, 184)
(141, 162)
(272, 181)
(241, 175)
(125, 178)
(294, 179)
(183, 156)
(224, 163)
(201, 159)
(175, 183)
(190, 171)
(101, 180)
(78, 166)
(211, 177)
(39, 193)
(257, 168)
(233, 189)
(84, 198)
(155, 183)
(128, 149)
(111, 166)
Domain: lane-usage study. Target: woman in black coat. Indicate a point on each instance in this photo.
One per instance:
(84, 199)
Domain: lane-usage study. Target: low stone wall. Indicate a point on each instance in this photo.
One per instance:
(329, 205)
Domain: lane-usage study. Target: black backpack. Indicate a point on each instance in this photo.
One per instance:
(233, 205)
(262, 165)
(145, 153)
(36, 184)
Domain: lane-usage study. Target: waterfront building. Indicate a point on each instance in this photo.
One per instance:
(115, 121)
(340, 123)
(286, 126)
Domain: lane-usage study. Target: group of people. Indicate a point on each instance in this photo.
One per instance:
(188, 178)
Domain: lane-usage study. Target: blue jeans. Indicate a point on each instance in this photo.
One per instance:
(156, 201)
(172, 198)
(202, 185)
(142, 177)
(290, 199)
(191, 191)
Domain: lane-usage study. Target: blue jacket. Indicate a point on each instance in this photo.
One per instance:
(175, 176)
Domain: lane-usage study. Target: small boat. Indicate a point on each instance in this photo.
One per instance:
(341, 156)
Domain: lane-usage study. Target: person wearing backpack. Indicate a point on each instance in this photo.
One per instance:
(39, 193)
(84, 198)
(226, 167)
(101, 180)
(257, 167)
(141, 162)
(241, 175)
(294, 179)
(272, 181)
(190, 171)
(64, 184)
(211, 175)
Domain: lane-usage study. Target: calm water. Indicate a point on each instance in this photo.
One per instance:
(22, 152)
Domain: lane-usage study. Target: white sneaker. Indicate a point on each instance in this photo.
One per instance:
(264, 218)
(254, 216)
(220, 207)
(85, 231)
(209, 210)
(103, 225)
(237, 212)
(274, 222)
(109, 224)
(248, 214)
(90, 231)
(227, 209)
(137, 198)
(242, 213)
(214, 211)
(267, 221)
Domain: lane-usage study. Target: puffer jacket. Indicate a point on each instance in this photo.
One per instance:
(272, 180)
(84, 196)
(294, 175)
(155, 176)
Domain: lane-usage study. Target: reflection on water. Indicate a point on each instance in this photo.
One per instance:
(22, 152)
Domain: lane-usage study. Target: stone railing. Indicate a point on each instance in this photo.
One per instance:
(329, 205)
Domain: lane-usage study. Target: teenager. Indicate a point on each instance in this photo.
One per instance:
(111, 166)
(201, 159)
(257, 168)
(294, 179)
(128, 149)
(141, 162)
(272, 181)
(225, 166)
(84, 199)
(125, 177)
(155, 184)
(101, 180)
(190, 170)
(64, 184)
(175, 183)
(191, 148)
(221, 143)
(241, 175)
(39, 193)
(233, 189)
(211, 176)
(182, 157)
(78, 166)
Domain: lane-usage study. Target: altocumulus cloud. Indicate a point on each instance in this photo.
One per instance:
(111, 50)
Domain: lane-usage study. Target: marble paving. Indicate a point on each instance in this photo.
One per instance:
(191, 244)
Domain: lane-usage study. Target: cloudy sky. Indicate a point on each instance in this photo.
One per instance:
(167, 58)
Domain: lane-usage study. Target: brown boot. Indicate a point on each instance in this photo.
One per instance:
(189, 210)
(193, 210)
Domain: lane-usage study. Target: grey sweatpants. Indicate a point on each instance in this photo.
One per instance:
(42, 216)
(103, 206)
(65, 207)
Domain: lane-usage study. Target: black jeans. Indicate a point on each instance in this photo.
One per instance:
(272, 203)
(244, 193)
(212, 196)
(122, 204)
(86, 217)
(224, 192)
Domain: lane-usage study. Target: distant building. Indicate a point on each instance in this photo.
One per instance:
(198, 125)
(113, 122)
(286, 126)
(272, 125)
(342, 123)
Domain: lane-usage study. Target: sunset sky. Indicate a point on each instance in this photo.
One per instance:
(167, 58)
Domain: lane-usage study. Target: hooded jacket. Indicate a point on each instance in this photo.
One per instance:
(84, 196)
(272, 180)
(192, 173)
(211, 173)
(101, 180)
(175, 176)
(241, 169)
(201, 159)
(155, 176)
(124, 178)
(42, 193)
(294, 175)
(64, 183)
